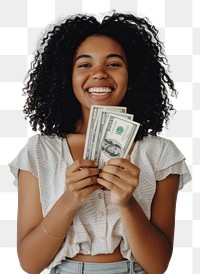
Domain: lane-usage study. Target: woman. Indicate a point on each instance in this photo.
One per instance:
(65, 221)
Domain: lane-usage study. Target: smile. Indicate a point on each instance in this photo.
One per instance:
(100, 90)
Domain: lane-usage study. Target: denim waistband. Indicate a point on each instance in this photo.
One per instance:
(76, 267)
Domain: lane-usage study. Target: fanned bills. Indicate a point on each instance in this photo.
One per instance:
(110, 134)
(92, 123)
(102, 120)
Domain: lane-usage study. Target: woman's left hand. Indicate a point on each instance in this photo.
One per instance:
(121, 177)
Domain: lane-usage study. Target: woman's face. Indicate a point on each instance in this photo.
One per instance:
(100, 72)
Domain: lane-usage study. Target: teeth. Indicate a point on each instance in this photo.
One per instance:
(99, 90)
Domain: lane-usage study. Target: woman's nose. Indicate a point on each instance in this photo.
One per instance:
(99, 73)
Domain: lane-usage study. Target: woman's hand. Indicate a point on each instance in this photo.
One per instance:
(121, 177)
(81, 181)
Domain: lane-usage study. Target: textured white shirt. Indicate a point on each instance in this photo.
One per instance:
(97, 227)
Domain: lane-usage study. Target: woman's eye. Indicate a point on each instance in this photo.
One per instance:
(113, 64)
(84, 65)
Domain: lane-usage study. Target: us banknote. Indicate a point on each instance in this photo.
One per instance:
(92, 124)
(110, 133)
(100, 126)
(117, 138)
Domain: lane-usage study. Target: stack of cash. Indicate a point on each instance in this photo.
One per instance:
(110, 133)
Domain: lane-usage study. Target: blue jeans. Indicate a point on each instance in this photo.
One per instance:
(74, 267)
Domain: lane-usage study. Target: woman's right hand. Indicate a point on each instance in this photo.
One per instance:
(81, 178)
(81, 181)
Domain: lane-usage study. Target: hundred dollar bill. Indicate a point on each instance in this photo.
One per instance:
(117, 139)
(101, 122)
(92, 122)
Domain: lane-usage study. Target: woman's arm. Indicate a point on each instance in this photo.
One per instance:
(151, 242)
(36, 249)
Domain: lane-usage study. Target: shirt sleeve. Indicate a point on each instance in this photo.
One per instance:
(172, 161)
(25, 160)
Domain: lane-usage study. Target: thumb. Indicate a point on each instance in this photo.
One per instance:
(128, 157)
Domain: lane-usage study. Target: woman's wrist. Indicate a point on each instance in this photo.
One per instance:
(49, 234)
(69, 204)
(128, 205)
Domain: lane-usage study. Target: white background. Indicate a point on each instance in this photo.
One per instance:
(21, 23)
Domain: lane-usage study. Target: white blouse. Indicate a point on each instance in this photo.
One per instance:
(97, 227)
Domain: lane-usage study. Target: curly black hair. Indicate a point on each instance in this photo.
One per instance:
(51, 105)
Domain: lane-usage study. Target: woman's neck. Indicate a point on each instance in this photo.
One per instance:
(82, 123)
(81, 127)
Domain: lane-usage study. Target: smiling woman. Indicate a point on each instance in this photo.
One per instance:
(72, 216)
(100, 77)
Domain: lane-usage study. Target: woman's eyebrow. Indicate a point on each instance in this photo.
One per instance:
(108, 56)
(115, 55)
(83, 56)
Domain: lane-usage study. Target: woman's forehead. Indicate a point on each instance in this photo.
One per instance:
(100, 43)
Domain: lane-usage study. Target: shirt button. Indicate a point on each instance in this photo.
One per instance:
(100, 195)
(102, 214)
(79, 238)
(101, 238)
